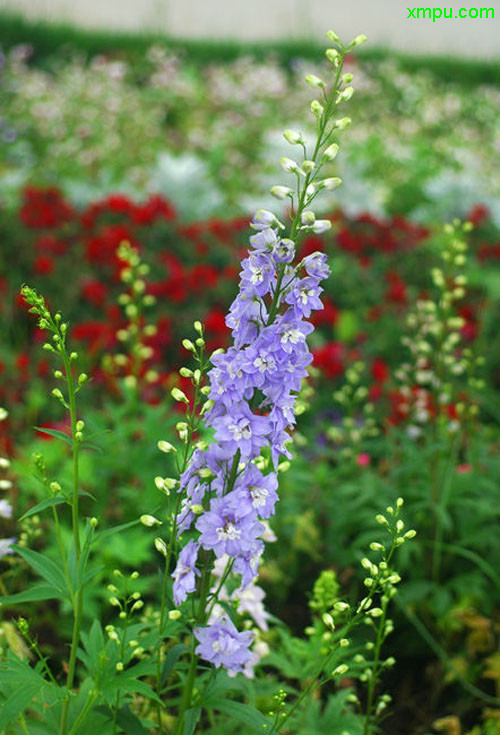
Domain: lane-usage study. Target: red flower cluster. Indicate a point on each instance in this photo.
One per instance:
(72, 258)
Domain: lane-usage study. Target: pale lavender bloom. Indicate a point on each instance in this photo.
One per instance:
(264, 240)
(316, 265)
(263, 219)
(185, 572)
(284, 251)
(304, 297)
(5, 546)
(257, 275)
(258, 491)
(221, 644)
(250, 600)
(230, 526)
(241, 430)
(5, 509)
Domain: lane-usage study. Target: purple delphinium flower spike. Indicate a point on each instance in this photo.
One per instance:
(253, 387)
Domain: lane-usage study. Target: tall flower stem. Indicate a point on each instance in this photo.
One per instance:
(78, 601)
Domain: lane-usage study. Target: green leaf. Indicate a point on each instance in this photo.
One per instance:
(39, 592)
(56, 434)
(190, 719)
(116, 529)
(91, 445)
(172, 657)
(241, 712)
(45, 567)
(130, 722)
(17, 702)
(47, 503)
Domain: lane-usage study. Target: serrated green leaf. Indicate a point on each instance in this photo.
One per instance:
(45, 567)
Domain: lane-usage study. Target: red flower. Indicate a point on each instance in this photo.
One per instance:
(155, 208)
(380, 370)
(95, 292)
(396, 292)
(329, 359)
(44, 208)
(43, 265)
(478, 214)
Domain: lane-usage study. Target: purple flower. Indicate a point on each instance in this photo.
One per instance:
(221, 644)
(284, 251)
(316, 265)
(257, 275)
(185, 572)
(263, 219)
(264, 240)
(241, 430)
(292, 332)
(230, 526)
(304, 297)
(258, 491)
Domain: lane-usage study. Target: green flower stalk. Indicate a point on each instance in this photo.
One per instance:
(58, 330)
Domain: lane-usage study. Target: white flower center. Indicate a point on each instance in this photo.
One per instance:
(228, 532)
(259, 495)
(241, 430)
(292, 335)
(264, 363)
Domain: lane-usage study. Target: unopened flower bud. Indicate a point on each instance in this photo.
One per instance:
(331, 152)
(166, 447)
(161, 546)
(321, 225)
(358, 41)
(314, 81)
(280, 192)
(179, 395)
(292, 137)
(330, 184)
(332, 55)
(149, 521)
(317, 108)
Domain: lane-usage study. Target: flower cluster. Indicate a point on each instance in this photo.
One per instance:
(253, 387)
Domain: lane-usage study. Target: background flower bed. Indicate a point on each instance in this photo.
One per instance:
(436, 143)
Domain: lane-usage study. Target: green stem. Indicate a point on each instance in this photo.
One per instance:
(84, 712)
(375, 670)
(78, 603)
(122, 654)
(188, 689)
(62, 551)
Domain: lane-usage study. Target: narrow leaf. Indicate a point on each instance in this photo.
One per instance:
(47, 503)
(56, 434)
(39, 592)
